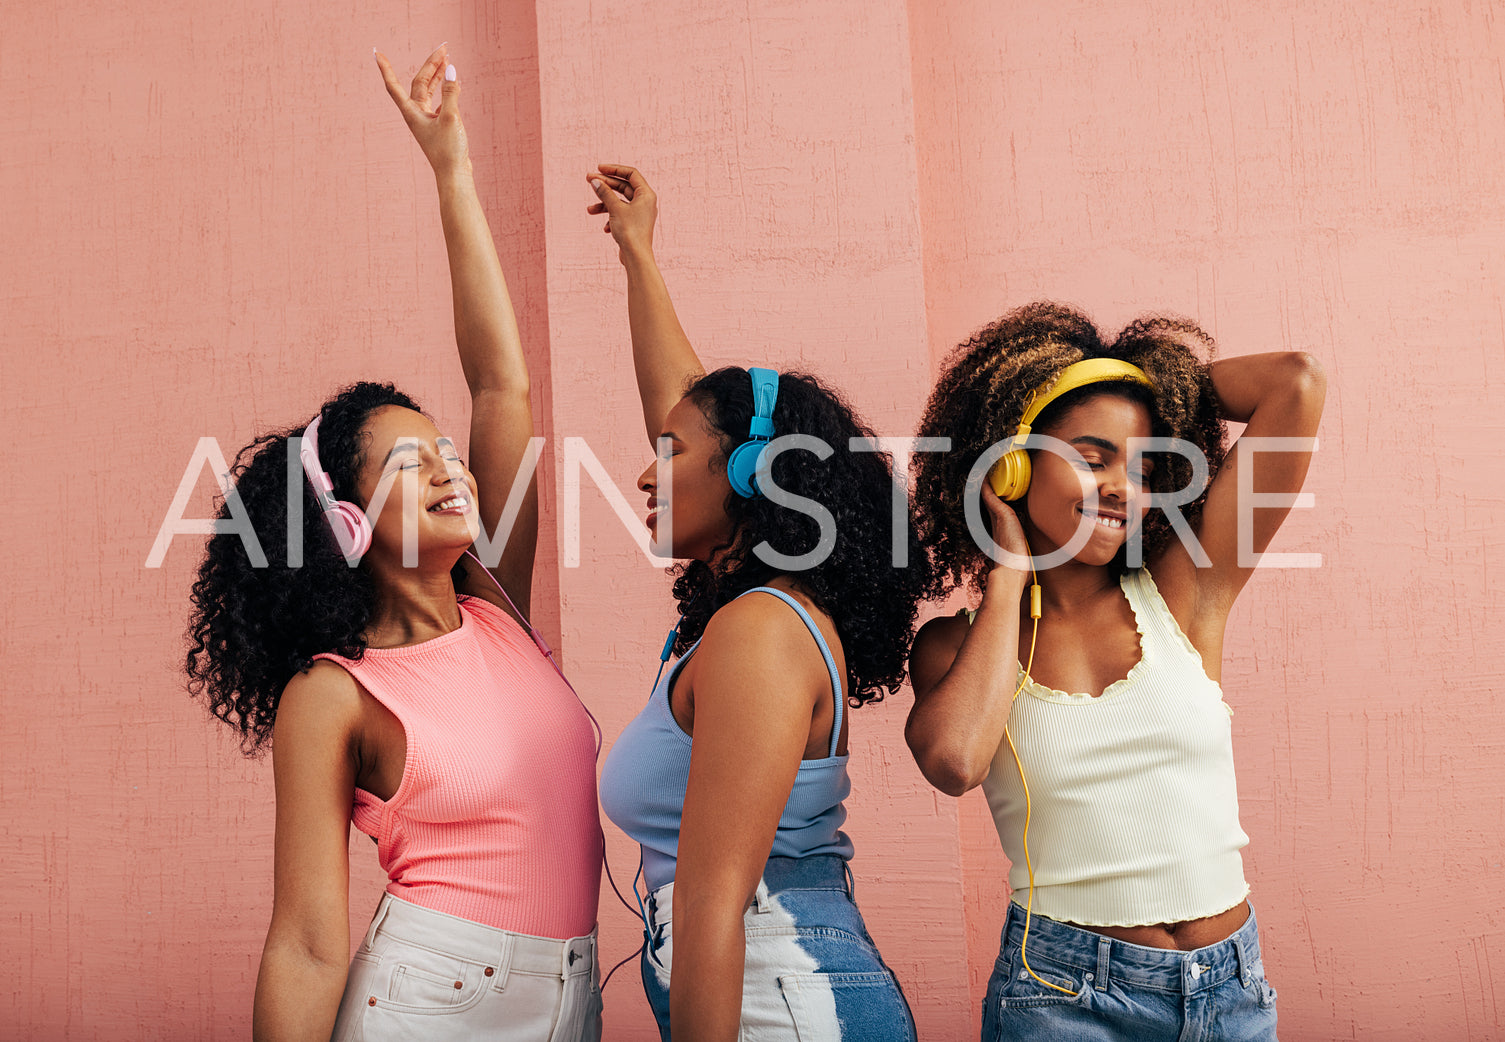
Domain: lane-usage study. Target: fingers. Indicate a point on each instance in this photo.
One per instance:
(449, 104)
(427, 78)
(604, 192)
(389, 77)
(1004, 518)
(634, 181)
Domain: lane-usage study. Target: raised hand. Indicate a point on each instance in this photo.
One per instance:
(631, 207)
(1006, 530)
(437, 127)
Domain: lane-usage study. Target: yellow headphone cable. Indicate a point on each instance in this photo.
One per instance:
(1034, 614)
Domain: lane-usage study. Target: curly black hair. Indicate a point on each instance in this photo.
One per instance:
(252, 629)
(872, 602)
(980, 399)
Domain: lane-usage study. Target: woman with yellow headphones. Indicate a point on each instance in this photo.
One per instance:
(1083, 693)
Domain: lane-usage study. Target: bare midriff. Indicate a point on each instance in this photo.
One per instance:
(1183, 936)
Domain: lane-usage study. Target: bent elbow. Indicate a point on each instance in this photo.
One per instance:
(1308, 375)
(951, 771)
(956, 779)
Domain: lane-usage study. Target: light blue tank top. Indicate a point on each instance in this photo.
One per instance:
(644, 779)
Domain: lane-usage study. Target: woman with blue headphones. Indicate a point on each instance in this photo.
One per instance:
(401, 689)
(1083, 693)
(733, 777)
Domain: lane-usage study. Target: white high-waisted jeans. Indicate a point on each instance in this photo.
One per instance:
(421, 974)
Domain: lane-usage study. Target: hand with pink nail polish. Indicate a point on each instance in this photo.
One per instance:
(437, 127)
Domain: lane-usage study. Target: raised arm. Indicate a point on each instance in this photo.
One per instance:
(307, 952)
(491, 351)
(964, 675)
(1277, 395)
(661, 353)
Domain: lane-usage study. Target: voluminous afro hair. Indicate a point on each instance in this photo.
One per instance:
(871, 602)
(251, 629)
(980, 399)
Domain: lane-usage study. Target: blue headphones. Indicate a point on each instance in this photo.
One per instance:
(742, 465)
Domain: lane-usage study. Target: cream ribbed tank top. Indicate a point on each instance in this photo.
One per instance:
(1135, 818)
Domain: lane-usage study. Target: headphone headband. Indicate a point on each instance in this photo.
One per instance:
(348, 522)
(742, 465)
(765, 385)
(308, 452)
(1010, 476)
(1078, 375)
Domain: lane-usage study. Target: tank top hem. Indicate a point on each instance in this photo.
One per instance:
(1179, 917)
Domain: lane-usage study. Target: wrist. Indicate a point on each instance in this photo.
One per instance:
(638, 256)
(1005, 585)
(455, 175)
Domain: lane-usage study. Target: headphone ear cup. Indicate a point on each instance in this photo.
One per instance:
(742, 468)
(1010, 475)
(351, 528)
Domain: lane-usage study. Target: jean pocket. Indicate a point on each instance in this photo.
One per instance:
(426, 982)
(1021, 988)
(826, 1006)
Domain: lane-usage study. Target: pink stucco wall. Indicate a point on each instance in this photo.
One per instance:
(213, 216)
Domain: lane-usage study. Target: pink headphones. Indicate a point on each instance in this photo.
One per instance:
(347, 521)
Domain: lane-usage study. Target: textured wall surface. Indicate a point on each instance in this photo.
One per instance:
(214, 217)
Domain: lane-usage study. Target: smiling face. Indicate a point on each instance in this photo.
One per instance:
(410, 473)
(692, 473)
(1059, 496)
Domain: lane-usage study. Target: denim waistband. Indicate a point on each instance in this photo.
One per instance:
(502, 951)
(1105, 958)
(816, 872)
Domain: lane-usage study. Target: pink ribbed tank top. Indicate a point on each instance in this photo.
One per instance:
(495, 820)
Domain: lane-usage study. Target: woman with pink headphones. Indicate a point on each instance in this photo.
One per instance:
(407, 693)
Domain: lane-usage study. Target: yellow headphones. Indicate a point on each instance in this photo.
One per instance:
(1010, 475)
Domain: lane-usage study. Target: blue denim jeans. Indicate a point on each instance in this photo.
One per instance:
(1126, 992)
(811, 973)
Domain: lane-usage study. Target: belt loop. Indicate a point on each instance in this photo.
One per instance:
(577, 949)
(761, 898)
(504, 963)
(376, 920)
(1104, 945)
(1244, 969)
(846, 871)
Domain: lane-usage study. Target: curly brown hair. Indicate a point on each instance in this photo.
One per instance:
(979, 401)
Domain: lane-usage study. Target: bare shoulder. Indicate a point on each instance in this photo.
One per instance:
(759, 636)
(935, 649)
(322, 700)
(766, 622)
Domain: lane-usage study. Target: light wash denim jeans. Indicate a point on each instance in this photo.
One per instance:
(811, 974)
(421, 974)
(1126, 992)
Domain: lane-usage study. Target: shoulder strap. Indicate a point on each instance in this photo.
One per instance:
(836, 686)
